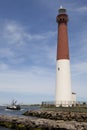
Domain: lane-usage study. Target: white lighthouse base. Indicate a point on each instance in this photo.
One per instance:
(63, 83)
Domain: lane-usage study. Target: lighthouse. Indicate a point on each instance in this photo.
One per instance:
(64, 95)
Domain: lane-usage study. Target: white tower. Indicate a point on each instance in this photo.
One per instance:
(63, 78)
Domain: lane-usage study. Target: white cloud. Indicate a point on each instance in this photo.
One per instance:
(3, 67)
(6, 53)
(82, 9)
(20, 46)
(36, 80)
(16, 33)
(79, 68)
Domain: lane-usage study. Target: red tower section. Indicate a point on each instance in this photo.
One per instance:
(62, 43)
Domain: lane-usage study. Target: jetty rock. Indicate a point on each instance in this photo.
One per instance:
(58, 115)
(39, 123)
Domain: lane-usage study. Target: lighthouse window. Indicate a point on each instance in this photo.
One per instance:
(58, 68)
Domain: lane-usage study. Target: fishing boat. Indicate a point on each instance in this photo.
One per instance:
(14, 106)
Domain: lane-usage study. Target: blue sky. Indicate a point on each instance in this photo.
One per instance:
(28, 40)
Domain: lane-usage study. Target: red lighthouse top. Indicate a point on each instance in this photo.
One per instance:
(62, 43)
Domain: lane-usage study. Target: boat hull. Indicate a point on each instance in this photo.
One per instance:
(13, 107)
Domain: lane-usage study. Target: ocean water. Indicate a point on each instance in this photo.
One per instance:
(4, 111)
(2, 128)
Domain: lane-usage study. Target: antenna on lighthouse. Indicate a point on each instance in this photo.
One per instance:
(61, 7)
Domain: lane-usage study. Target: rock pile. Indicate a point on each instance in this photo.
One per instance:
(56, 115)
(54, 121)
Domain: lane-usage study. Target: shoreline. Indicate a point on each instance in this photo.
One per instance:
(45, 120)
